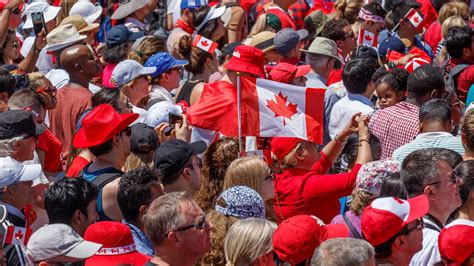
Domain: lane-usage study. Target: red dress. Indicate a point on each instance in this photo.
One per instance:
(299, 191)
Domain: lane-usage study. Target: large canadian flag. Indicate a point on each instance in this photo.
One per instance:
(367, 38)
(268, 109)
(17, 234)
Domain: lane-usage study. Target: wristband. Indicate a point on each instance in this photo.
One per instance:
(362, 140)
(342, 143)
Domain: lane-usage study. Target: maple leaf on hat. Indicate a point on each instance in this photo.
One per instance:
(280, 107)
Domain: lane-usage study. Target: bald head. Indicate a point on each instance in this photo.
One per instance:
(80, 64)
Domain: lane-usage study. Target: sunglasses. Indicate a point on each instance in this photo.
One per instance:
(200, 224)
(349, 35)
(127, 130)
(179, 69)
(418, 226)
(270, 176)
(50, 90)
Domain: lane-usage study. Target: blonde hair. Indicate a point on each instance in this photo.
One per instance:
(246, 171)
(467, 129)
(259, 26)
(149, 46)
(453, 9)
(289, 161)
(348, 9)
(35, 79)
(247, 240)
(221, 225)
(360, 200)
(451, 22)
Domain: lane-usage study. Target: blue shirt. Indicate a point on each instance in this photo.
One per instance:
(142, 242)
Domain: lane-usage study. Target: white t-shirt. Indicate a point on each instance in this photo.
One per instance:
(45, 61)
(429, 254)
(174, 8)
(343, 110)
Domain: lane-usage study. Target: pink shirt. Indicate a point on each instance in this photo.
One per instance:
(107, 74)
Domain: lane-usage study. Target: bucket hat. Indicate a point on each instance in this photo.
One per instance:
(62, 37)
(247, 59)
(128, 7)
(87, 10)
(326, 47)
(49, 12)
(80, 23)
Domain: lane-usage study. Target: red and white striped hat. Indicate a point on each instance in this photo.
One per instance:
(456, 241)
(385, 217)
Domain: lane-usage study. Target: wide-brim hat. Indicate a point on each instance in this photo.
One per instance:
(62, 37)
(264, 41)
(128, 7)
(247, 59)
(87, 10)
(100, 125)
(79, 23)
(49, 12)
(315, 21)
(326, 47)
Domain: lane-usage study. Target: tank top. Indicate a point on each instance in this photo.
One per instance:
(186, 91)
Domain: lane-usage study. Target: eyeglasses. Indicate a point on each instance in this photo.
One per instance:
(270, 176)
(200, 224)
(128, 131)
(418, 226)
(454, 179)
(127, 106)
(179, 69)
(15, 44)
(50, 90)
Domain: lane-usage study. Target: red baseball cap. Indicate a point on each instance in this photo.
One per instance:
(296, 238)
(456, 241)
(118, 247)
(385, 217)
(285, 73)
(247, 59)
(281, 146)
(100, 125)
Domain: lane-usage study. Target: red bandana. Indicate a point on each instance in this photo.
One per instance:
(184, 25)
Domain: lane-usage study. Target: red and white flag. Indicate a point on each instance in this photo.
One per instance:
(205, 44)
(17, 235)
(415, 18)
(268, 109)
(367, 38)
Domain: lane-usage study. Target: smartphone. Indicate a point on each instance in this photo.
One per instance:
(173, 119)
(38, 22)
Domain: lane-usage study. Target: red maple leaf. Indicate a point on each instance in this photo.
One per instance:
(280, 107)
(204, 43)
(416, 19)
(368, 38)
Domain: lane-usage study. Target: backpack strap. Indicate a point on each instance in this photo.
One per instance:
(101, 180)
(457, 70)
(351, 227)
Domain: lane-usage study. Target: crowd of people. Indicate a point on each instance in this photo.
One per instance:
(124, 139)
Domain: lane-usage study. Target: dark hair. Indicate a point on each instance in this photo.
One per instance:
(135, 190)
(362, 51)
(400, 10)
(115, 54)
(437, 4)
(396, 78)
(208, 29)
(228, 50)
(458, 38)
(390, 5)
(194, 55)
(108, 96)
(435, 110)
(7, 82)
(65, 196)
(392, 186)
(348, 154)
(420, 168)
(334, 29)
(464, 170)
(357, 74)
(384, 250)
(199, 14)
(425, 79)
(375, 8)
(103, 148)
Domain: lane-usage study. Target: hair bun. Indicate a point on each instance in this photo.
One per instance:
(184, 46)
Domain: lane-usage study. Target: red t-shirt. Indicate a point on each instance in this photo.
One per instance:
(463, 80)
(285, 19)
(52, 148)
(433, 35)
(298, 191)
(76, 166)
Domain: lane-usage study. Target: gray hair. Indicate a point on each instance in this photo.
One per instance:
(164, 215)
(7, 146)
(247, 240)
(343, 252)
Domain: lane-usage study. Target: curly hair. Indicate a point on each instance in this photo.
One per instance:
(216, 160)
(348, 9)
(149, 46)
(360, 200)
(195, 56)
(221, 225)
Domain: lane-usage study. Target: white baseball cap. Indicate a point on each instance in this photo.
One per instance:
(12, 171)
(159, 113)
(87, 10)
(49, 12)
(59, 242)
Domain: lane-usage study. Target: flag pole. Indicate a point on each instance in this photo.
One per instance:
(239, 121)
